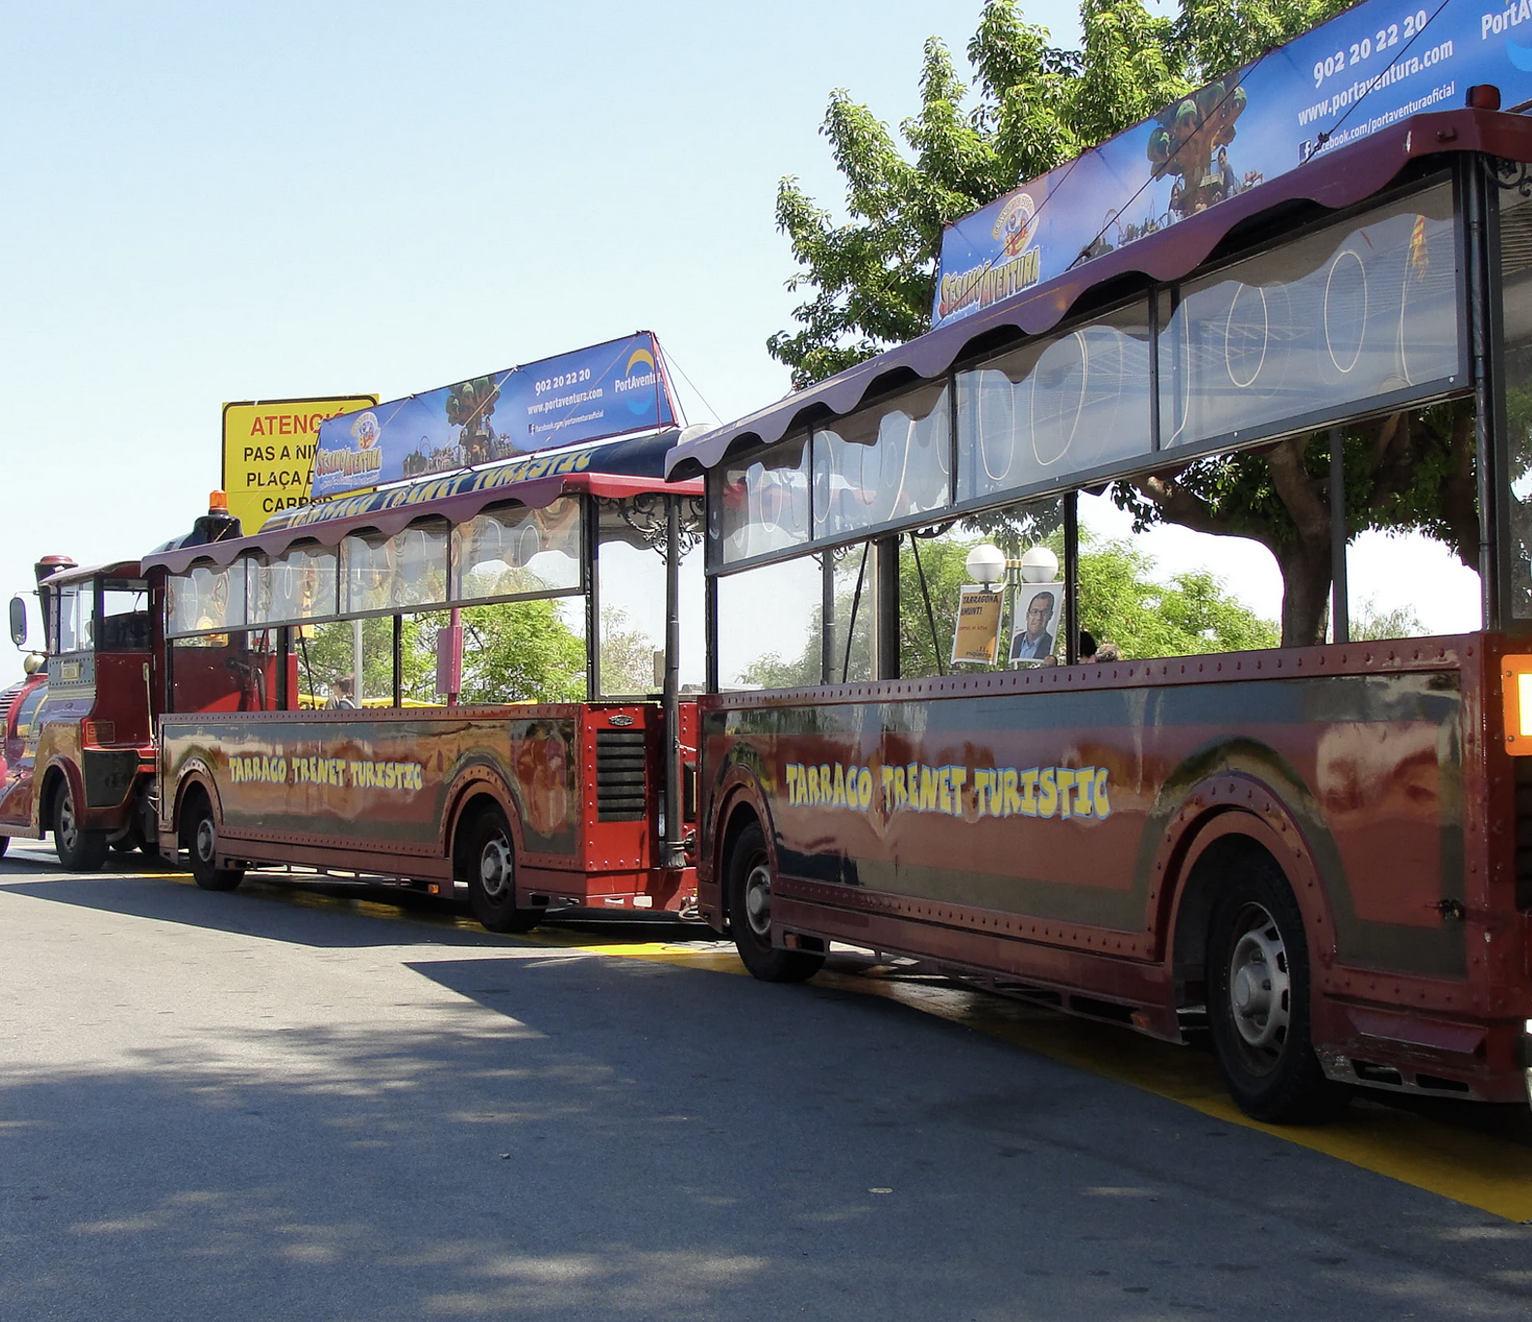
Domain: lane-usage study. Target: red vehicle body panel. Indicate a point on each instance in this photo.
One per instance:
(1367, 771)
(381, 791)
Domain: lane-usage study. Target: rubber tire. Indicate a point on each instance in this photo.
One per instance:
(497, 911)
(89, 850)
(1280, 1084)
(199, 838)
(767, 962)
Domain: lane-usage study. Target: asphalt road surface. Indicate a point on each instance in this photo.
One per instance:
(274, 1104)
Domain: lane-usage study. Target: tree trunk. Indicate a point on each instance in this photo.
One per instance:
(1305, 592)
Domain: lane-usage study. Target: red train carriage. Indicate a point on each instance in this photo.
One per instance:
(318, 714)
(1319, 853)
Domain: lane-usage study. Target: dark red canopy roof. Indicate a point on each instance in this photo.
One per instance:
(1333, 179)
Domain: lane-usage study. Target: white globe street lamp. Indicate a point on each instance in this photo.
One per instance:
(1039, 565)
(986, 563)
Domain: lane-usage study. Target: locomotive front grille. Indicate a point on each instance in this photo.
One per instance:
(620, 775)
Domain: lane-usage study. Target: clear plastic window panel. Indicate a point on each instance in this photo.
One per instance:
(761, 504)
(1516, 298)
(394, 573)
(883, 464)
(770, 626)
(124, 617)
(205, 598)
(1335, 319)
(300, 585)
(518, 551)
(347, 664)
(1056, 407)
(853, 623)
(74, 605)
(632, 566)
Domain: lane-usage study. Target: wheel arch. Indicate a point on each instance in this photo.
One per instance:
(740, 805)
(1231, 820)
(194, 778)
(478, 789)
(59, 771)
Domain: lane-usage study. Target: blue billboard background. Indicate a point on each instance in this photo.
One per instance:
(606, 390)
(1363, 70)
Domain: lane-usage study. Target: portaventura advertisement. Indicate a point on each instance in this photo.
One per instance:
(1372, 66)
(606, 390)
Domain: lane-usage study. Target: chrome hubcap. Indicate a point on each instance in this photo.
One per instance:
(207, 841)
(68, 827)
(1260, 986)
(496, 869)
(758, 900)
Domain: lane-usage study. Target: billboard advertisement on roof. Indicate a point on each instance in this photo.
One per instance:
(606, 390)
(1374, 65)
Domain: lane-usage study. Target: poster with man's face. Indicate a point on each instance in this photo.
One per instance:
(1035, 623)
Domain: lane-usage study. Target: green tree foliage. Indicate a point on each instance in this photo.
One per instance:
(868, 278)
(1192, 613)
(1121, 600)
(518, 651)
(1034, 105)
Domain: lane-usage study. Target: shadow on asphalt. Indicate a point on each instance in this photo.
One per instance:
(304, 910)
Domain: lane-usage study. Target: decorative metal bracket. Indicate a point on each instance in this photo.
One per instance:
(645, 514)
(1513, 174)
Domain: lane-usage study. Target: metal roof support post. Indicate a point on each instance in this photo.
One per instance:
(674, 848)
(886, 621)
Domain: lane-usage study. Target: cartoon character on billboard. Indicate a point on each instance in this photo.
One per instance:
(365, 431)
(1190, 141)
(470, 405)
(1015, 226)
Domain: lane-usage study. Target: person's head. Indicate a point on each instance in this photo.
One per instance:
(1087, 645)
(343, 686)
(1039, 612)
(1109, 652)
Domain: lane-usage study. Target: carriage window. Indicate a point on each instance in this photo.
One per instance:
(301, 585)
(517, 551)
(631, 560)
(346, 664)
(884, 463)
(1343, 316)
(124, 617)
(206, 597)
(1056, 407)
(761, 505)
(394, 573)
(73, 605)
(770, 626)
(1516, 284)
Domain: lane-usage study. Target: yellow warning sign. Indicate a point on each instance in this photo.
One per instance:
(268, 452)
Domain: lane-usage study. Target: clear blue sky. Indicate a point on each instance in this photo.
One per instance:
(212, 202)
(216, 202)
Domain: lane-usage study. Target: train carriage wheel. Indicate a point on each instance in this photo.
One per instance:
(749, 897)
(491, 865)
(79, 850)
(1259, 998)
(199, 838)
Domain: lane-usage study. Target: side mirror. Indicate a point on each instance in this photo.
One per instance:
(19, 621)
